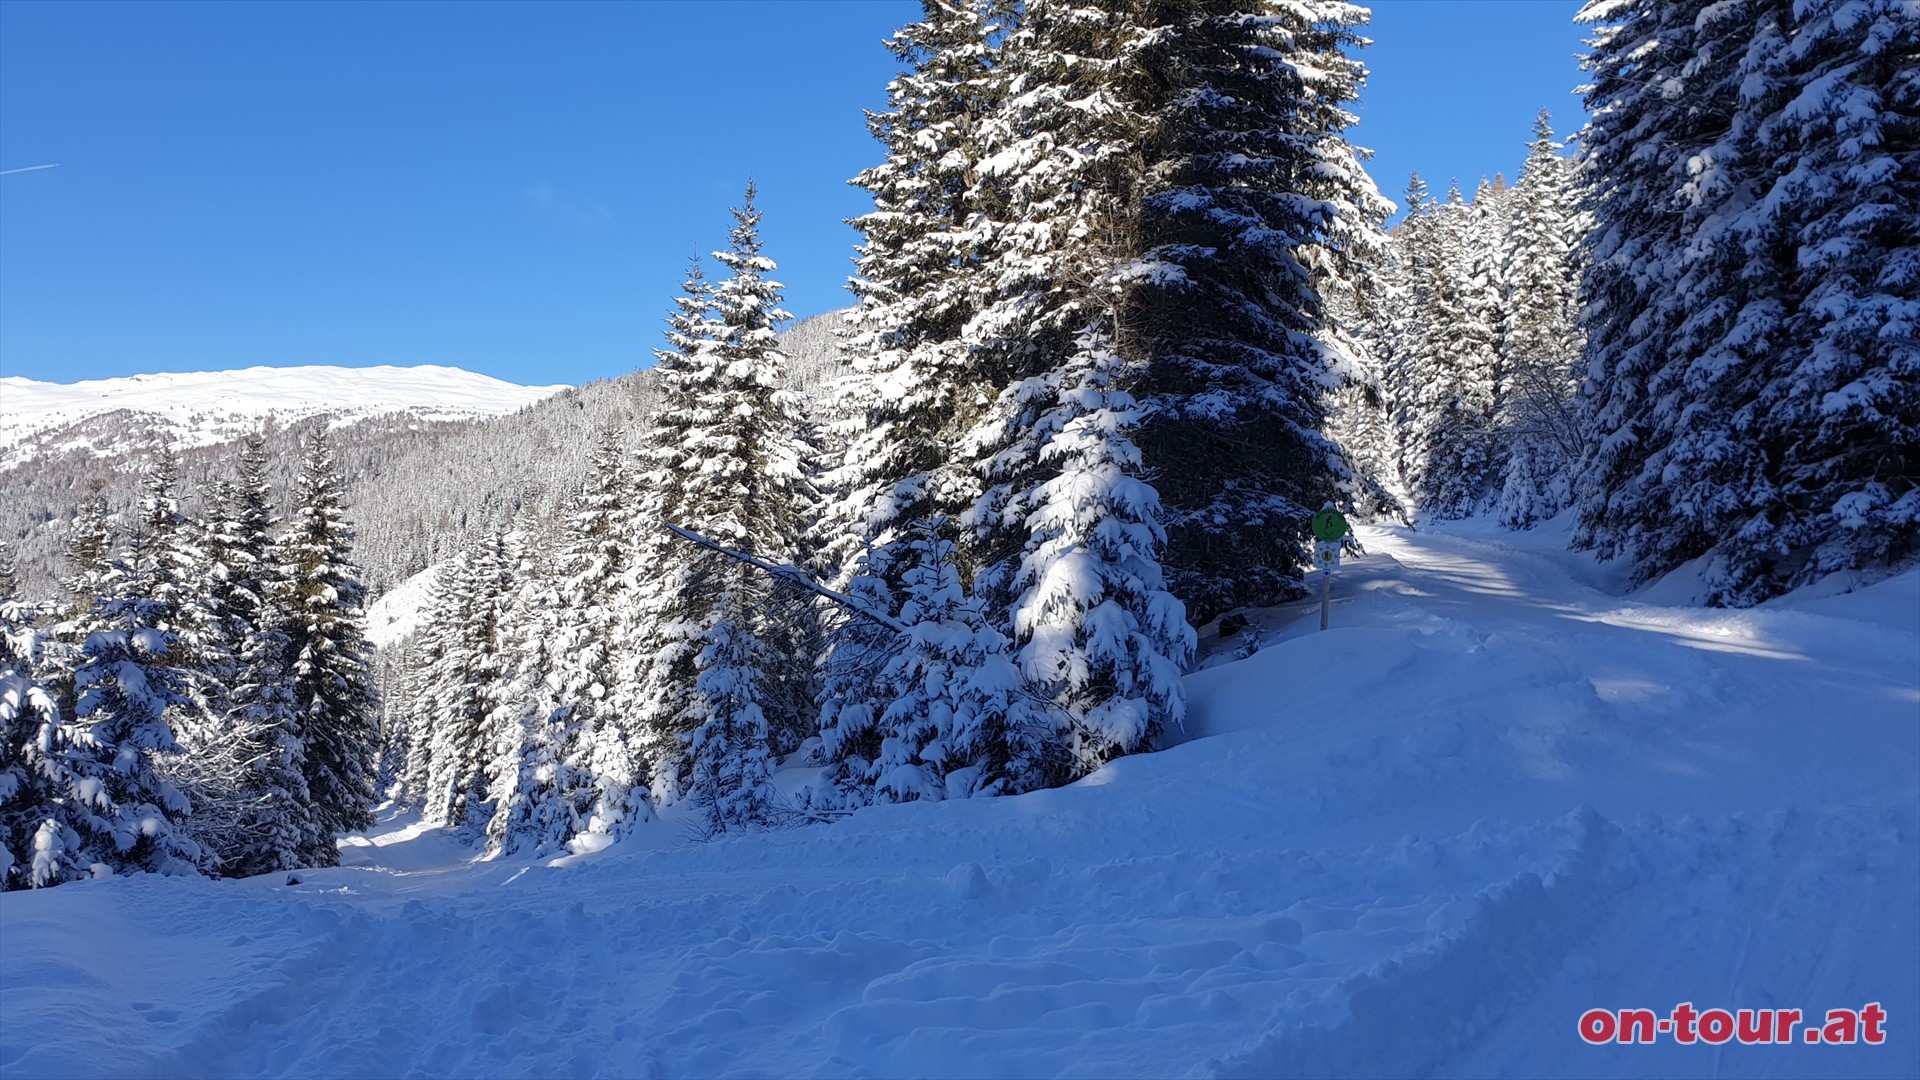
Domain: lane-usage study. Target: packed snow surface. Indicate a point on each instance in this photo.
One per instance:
(1421, 843)
(206, 407)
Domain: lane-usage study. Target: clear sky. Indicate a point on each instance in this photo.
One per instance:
(514, 189)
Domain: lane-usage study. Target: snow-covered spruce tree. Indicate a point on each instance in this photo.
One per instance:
(731, 781)
(254, 594)
(395, 672)
(278, 829)
(188, 565)
(1360, 413)
(1405, 336)
(1063, 155)
(27, 707)
(172, 565)
(1456, 396)
(425, 698)
(1540, 339)
(106, 808)
(657, 612)
(469, 682)
(1843, 501)
(332, 685)
(9, 574)
(241, 570)
(919, 276)
(1099, 635)
(243, 768)
(1660, 100)
(540, 795)
(1751, 367)
(1069, 157)
(758, 494)
(918, 384)
(595, 594)
(963, 722)
(856, 686)
(727, 460)
(1252, 206)
(88, 547)
(1831, 251)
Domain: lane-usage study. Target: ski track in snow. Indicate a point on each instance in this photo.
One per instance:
(1421, 843)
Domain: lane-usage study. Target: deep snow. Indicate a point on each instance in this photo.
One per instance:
(1421, 843)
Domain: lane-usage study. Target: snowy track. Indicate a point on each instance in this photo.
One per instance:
(1419, 844)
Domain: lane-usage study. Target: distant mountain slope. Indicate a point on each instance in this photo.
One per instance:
(204, 408)
(422, 479)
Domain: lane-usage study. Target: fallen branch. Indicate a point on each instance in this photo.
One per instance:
(796, 576)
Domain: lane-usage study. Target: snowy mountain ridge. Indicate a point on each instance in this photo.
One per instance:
(204, 408)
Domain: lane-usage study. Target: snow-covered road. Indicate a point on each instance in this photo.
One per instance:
(1421, 843)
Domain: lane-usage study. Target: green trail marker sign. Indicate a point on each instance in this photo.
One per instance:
(1329, 524)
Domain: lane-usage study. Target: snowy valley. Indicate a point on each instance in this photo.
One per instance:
(1424, 842)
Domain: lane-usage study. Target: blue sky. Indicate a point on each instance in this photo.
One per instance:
(514, 189)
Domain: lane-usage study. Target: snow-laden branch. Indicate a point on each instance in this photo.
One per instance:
(795, 575)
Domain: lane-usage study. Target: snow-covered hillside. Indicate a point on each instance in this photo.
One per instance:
(1421, 843)
(207, 407)
(399, 611)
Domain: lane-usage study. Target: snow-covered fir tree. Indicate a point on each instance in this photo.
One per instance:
(332, 684)
(468, 684)
(1100, 637)
(277, 826)
(962, 721)
(728, 459)
(1251, 206)
(730, 768)
(105, 806)
(27, 708)
(855, 684)
(920, 383)
(1453, 463)
(596, 595)
(187, 607)
(1540, 339)
(757, 453)
(244, 761)
(541, 796)
(658, 616)
(89, 545)
(1063, 154)
(1751, 366)
(1110, 197)
(1473, 341)
(919, 278)
(1067, 529)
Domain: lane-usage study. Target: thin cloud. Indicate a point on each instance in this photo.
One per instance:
(28, 168)
(548, 204)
